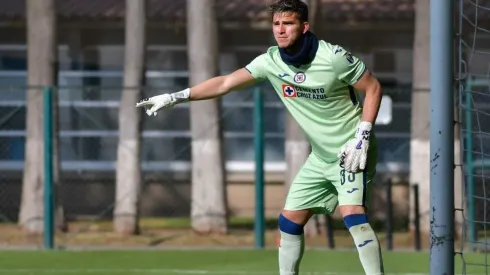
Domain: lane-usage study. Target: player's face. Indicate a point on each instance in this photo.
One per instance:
(287, 29)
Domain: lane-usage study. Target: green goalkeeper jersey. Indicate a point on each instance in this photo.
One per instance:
(319, 95)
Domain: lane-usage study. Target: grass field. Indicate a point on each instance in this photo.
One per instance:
(207, 262)
(100, 251)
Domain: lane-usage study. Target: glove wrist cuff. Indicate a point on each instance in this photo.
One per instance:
(182, 96)
(364, 130)
(365, 125)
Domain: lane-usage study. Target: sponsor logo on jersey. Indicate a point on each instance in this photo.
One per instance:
(299, 77)
(296, 91)
(288, 90)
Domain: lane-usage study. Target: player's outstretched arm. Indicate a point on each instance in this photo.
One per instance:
(221, 85)
(211, 88)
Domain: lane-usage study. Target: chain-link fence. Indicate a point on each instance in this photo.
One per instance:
(12, 151)
(88, 134)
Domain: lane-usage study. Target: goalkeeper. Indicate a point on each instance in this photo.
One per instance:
(316, 81)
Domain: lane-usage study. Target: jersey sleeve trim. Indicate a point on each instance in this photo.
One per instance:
(354, 81)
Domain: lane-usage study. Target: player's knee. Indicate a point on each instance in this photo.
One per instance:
(289, 227)
(355, 219)
(346, 210)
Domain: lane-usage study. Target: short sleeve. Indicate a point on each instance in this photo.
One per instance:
(347, 67)
(257, 67)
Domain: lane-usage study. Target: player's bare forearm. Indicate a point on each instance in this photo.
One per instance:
(372, 102)
(221, 85)
(208, 89)
(373, 94)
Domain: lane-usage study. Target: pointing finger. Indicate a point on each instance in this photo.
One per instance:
(144, 102)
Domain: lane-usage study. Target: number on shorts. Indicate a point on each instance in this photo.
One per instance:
(351, 177)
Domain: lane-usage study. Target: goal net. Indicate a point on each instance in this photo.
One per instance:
(473, 50)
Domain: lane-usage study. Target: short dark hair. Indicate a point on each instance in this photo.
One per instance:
(294, 6)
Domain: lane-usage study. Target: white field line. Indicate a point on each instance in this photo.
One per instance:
(34, 271)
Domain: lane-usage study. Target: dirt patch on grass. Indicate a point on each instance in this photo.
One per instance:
(101, 235)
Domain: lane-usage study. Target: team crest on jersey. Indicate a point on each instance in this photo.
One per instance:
(299, 77)
(288, 90)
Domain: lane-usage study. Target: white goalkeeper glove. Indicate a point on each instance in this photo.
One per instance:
(155, 103)
(353, 155)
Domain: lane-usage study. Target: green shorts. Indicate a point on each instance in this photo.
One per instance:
(321, 186)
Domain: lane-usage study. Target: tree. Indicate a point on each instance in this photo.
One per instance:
(128, 177)
(419, 142)
(42, 72)
(209, 204)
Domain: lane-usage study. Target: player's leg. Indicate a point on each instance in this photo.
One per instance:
(354, 196)
(365, 239)
(292, 240)
(307, 195)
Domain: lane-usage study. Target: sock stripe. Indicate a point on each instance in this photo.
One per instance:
(289, 227)
(355, 219)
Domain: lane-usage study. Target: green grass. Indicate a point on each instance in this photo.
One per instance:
(207, 262)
